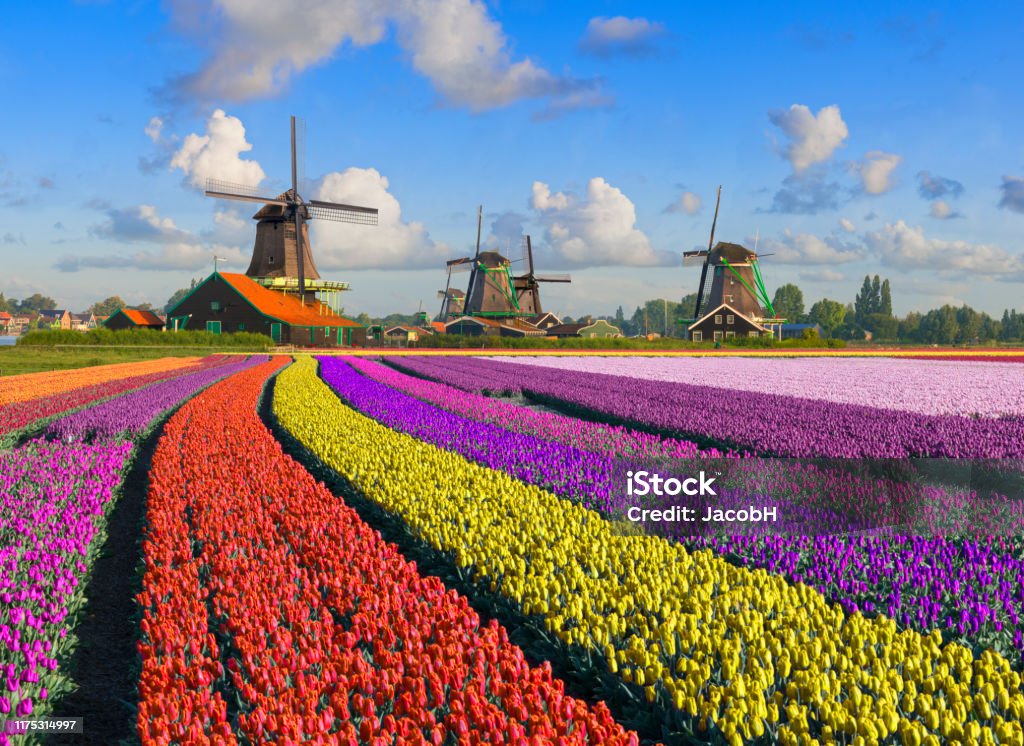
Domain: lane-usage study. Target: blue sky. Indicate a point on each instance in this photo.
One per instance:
(849, 141)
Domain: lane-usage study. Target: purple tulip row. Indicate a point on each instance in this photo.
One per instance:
(971, 587)
(131, 413)
(962, 388)
(52, 499)
(768, 424)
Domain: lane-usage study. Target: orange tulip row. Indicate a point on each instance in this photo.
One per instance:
(261, 584)
(38, 385)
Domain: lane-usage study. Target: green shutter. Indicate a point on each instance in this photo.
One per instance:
(275, 332)
(213, 327)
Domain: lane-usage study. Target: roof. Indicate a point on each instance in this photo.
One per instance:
(799, 326)
(140, 317)
(285, 308)
(476, 319)
(437, 326)
(405, 328)
(566, 329)
(711, 313)
(5, 316)
(55, 313)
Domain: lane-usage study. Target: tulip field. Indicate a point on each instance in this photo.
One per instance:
(442, 549)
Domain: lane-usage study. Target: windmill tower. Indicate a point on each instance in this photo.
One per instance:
(528, 285)
(282, 258)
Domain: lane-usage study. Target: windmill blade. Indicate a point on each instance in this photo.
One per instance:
(243, 192)
(341, 213)
(458, 269)
(554, 278)
(694, 258)
(442, 294)
(463, 260)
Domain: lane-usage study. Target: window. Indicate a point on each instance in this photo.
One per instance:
(718, 318)
(215, 305)
(241, 326)
(270, 260)
(753, 334)
(730, 319)
(730, 335)
(698, 336)
(718, 336)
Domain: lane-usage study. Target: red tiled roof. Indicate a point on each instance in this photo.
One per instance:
(5, 316)
(142, 318)
(437, 326)
(286, 308)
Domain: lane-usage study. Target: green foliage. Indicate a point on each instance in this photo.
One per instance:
(179, 295)
(145, 338)
(108, 306)
(789, 303)
(35, 303)
(828, 314)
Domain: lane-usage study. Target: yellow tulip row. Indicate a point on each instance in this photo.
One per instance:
(741, 648)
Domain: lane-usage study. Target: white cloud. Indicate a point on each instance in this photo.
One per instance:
(847, 225)
(942, 210)
(807, 248)
(599, 230)
(634, 37)
(900, 245)
(688, 203)
(256, 48)
(155, 128)
(392, 243)
(139, 223)
(876, 171)
(813, 138)
(217, 154)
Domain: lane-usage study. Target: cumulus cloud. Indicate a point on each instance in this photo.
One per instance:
(688, 203)
(1013, 193)
(154, 130)
(847, 225)
(174, 256)
(807, 248)
(217, 154)
(937, 187)
(139, 223)
(813, 138)
(257, 48)
(632, 37)
(392, 243)
(596, 230)
(942, 210)
(507, 231)
(876, 170)
(905, 247)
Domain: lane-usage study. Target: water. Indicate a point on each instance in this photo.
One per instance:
(5, 340)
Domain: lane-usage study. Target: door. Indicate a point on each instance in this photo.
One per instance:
(275, 332)
(213, 327)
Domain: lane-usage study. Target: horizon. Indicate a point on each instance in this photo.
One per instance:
(866, 142)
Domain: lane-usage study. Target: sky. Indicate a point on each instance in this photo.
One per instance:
(848, 139)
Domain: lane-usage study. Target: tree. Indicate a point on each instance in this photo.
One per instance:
(107, 307)
(789, 303)
(36, 303)
(939, 326)
(620, 319)
(908, 327)
(5, 305)
(179, 296)
(147, 306)
(828, 314)
(885, 306)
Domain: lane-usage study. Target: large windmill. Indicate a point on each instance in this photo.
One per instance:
(282, 248)
(527, 286)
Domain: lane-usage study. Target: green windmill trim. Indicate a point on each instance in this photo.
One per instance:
(511, 297)
(764, 291)
(759, 295)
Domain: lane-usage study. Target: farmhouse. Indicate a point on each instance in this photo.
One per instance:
(475, 326)
(228, 302)
(56, 319)
(134, 318)
(587, 328)
(725, 322)
(5, 321)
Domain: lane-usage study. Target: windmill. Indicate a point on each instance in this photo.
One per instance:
(282, 238)
(527, 286)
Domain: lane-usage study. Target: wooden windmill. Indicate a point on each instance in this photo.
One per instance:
(527, 286)
(282, 248)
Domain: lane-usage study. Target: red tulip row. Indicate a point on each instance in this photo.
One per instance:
(262, 585)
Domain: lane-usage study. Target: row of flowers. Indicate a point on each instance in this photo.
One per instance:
(261, 584)
(19, 414)
(964, 388)
(974, 588)
(36, 385)
(730, 649)
(768, 424)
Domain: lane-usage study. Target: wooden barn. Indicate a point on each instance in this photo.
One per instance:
(134, 318)
(725, 322)
(589, 329)
(227, 302)
(475, 326)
